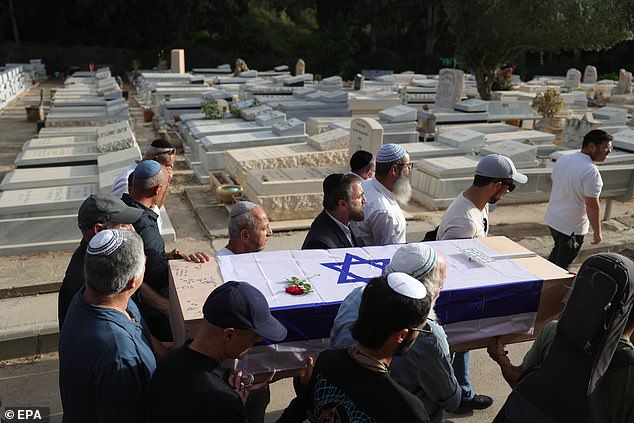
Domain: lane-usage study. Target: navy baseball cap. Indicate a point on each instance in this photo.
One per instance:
(240, 305)
(102, 208)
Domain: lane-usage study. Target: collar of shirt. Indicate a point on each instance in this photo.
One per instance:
(134, 203)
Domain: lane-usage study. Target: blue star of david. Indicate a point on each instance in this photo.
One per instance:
(346, 276)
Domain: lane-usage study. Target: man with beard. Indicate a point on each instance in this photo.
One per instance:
(574, 200)
(354, 384)
(384, 221)
(343, 202)
(468, 217)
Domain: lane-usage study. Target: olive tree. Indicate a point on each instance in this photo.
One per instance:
(490, 33)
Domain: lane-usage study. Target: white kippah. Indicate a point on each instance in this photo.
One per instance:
(406, 285)
(105, 243)
(390, 153)
(416, 259)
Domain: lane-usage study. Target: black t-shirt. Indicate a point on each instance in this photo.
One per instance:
(185, 388)
(73, 281)
(342, 390)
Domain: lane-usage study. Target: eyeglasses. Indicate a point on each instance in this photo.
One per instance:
(424, 331)
(408, 165)
(485, 222)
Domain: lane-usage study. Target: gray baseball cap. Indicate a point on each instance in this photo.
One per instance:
(497, 166)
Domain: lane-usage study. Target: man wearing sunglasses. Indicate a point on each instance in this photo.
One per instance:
(468, 217)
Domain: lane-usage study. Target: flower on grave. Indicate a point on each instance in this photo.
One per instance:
(297, 286)
(549, 103)
(503, 79)
(211, 109)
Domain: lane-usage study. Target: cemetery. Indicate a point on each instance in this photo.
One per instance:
(272, 130)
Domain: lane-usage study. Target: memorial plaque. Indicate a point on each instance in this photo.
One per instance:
(42, 156)
(573, 78)
(115, 142)
(57, 142)
(118, 159)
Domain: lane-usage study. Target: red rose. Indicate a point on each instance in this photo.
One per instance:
(294, 290)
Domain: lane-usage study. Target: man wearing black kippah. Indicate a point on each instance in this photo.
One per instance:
(362, 164)
(343, 203)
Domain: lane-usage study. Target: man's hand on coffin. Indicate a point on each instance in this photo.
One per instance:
(308, 371)
(497, 349)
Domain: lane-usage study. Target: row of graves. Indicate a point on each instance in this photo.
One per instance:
(282, 138)
(16, 78)
(86, 142)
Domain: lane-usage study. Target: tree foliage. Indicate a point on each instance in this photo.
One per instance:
(491, 33)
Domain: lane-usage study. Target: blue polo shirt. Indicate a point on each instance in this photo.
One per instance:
(105, 364)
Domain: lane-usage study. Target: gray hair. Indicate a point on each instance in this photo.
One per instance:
(146, 185)
(241, 218)
(109, 274)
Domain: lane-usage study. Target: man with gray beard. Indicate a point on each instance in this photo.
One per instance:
(384, 222)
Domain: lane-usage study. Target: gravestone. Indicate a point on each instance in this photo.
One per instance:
(472, 105)
(522, 155)
(269, 118)
(624, 140)
(576, 128)
(450, 88)
(289, 128)
(365, 134)
(590, 75)
(239, 162)
(251, 113)
(58, 142)
(611, 114)
(49, 177)
(288, 194)
(398, 114)
(44, 201)
(118, 159)
(624, 86)
(57, 156)
(115, 142)
(573, 78)
(336, 139)
(178, 61)
(465, 140)
(300, 67)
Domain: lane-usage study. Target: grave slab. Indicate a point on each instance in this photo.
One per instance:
(49, 177)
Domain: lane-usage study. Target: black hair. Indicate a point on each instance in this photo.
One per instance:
(161, 143)
(596, 137)
(383, 311)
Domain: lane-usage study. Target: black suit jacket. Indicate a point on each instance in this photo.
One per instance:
(324, 233)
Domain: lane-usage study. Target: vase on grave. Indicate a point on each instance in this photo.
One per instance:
(554, 125)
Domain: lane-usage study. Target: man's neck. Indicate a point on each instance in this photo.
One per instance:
(477, 196)
(386, 182)
(117, 302)
(237, 247)
(210, 349)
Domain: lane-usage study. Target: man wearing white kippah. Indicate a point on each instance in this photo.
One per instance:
(354, 384)
(426, 370)
(468, 217)
(384, 221)
(105, 351)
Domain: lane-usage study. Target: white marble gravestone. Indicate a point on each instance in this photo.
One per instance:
(450, 88)
(573, 78)
(611, 114)
(365, 134)
(44, 201)
(49, 177)
(590, 75)
(269, 118)
(289, 128)
(522, 155)
(57, 156)
(178, 61)
(624, 140)
(465, 140)
(335, 139)
(472, 105)
(397, 114)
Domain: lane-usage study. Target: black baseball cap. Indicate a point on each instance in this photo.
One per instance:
(240, 305)
(102, 208)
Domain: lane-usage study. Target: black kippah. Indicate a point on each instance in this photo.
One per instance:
(359, 160)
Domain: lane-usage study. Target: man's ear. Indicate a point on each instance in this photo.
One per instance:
(227, 333)
(401, 335)
(244, 233)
